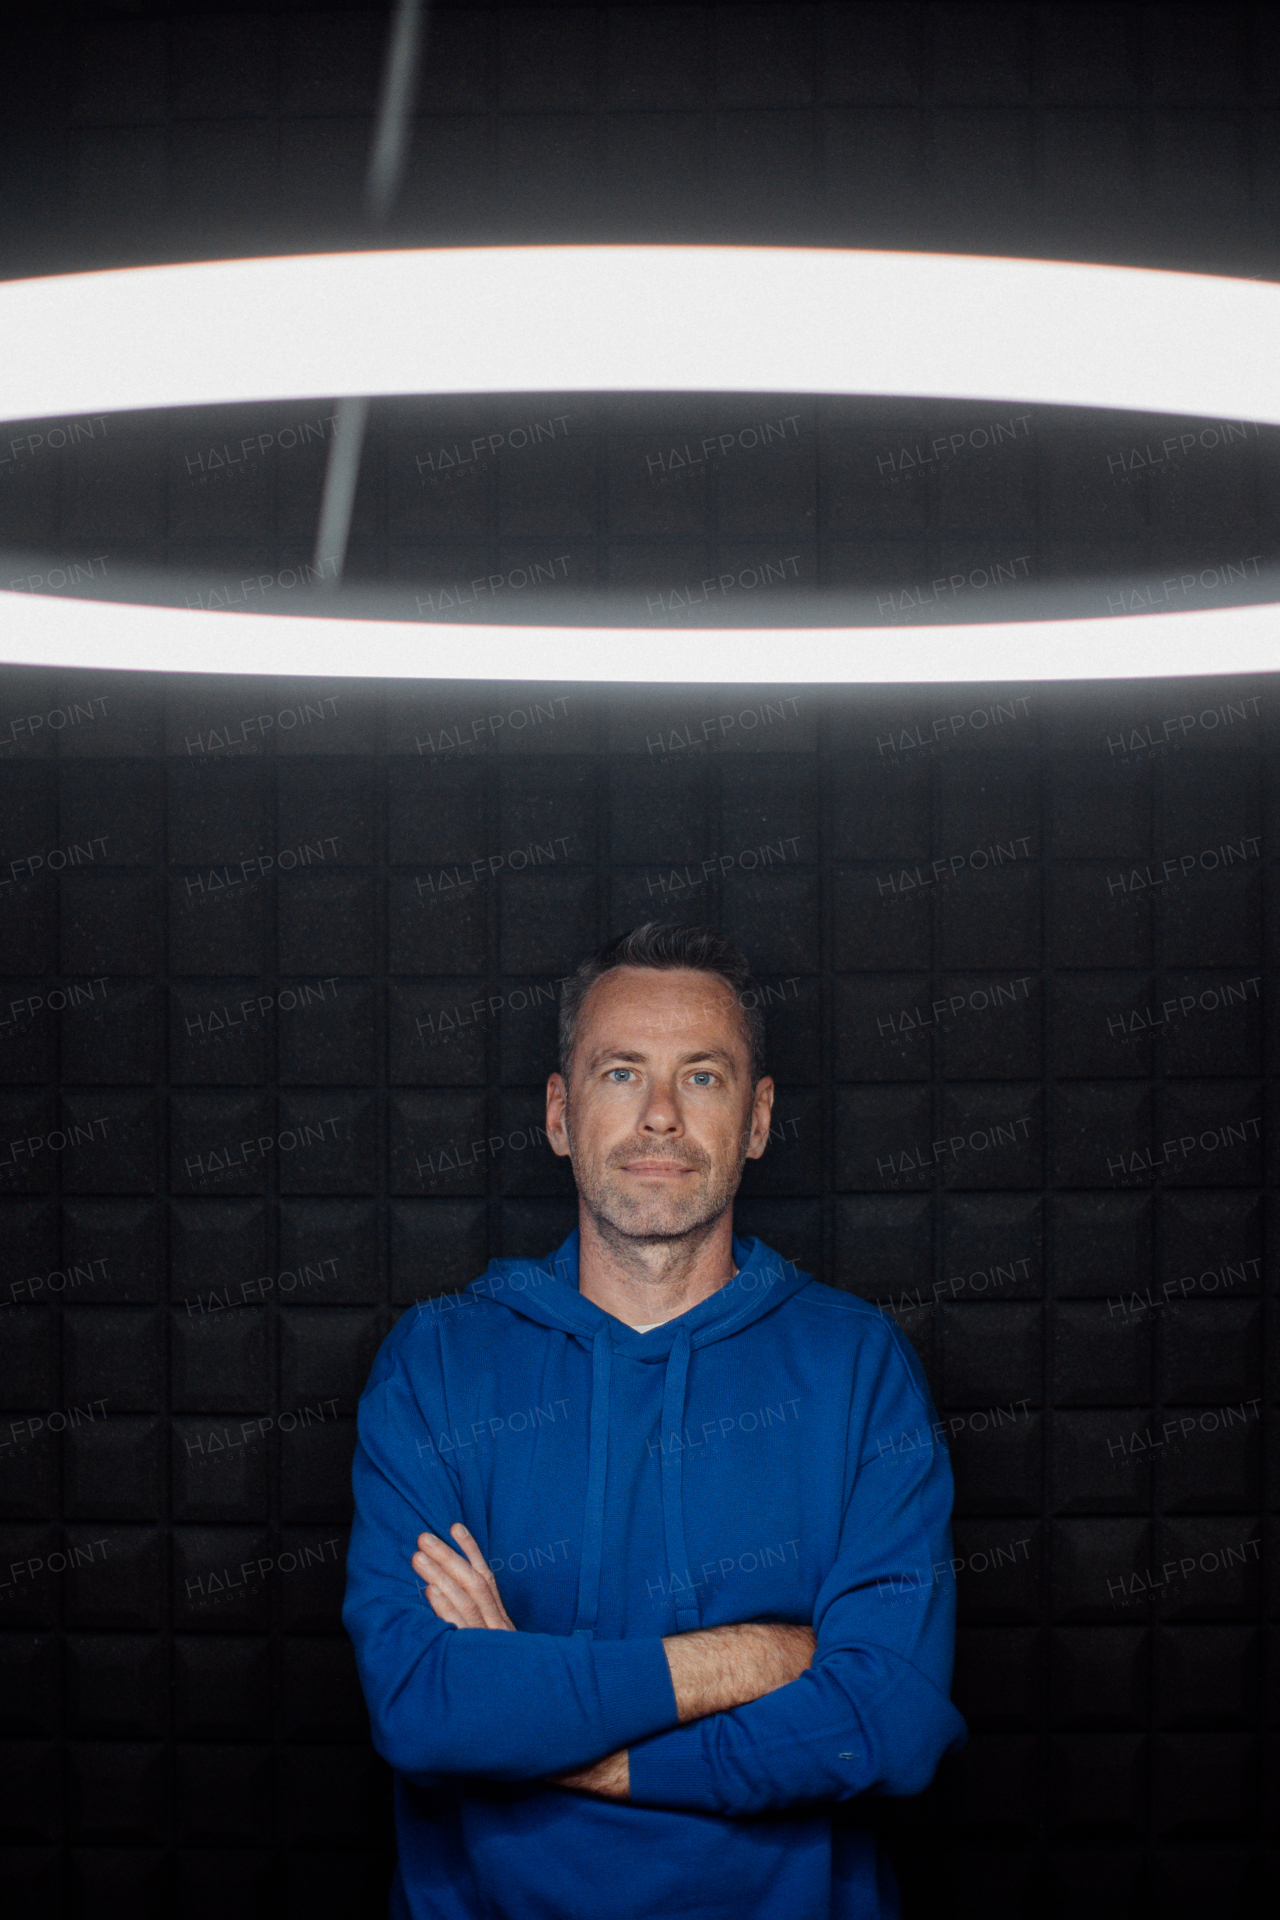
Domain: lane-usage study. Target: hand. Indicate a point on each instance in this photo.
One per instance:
(610, 1777)
(463, 1592)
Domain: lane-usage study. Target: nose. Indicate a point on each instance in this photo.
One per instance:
(661, 1114)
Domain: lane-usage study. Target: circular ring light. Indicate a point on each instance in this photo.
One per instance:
(637, 319)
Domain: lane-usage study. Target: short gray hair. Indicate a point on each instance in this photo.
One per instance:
(664, 945)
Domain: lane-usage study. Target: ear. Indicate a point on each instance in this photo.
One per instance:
(761, 1114)
(557, 1113)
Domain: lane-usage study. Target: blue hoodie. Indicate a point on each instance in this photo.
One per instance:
(772, 1454)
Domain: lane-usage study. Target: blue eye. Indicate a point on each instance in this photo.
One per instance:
(623, 1073)
(702, 1079)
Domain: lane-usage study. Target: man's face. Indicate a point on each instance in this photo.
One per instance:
(660, 1114)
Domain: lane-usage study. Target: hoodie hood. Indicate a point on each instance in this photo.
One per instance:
(546, 1292)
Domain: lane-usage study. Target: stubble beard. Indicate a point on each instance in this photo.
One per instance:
(623, 1219)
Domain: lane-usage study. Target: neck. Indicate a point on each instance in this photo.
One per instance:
(639, 1281)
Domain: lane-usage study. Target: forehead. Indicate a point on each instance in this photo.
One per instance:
(630, 1006)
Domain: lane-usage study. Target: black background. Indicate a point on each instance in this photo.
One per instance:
(173, 1749)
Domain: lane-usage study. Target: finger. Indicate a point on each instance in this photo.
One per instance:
(473, 1574)
(442, 1553)
(447, 1570)
(434, 1593)
(458, 1598)
(441, 1608)
(467, 1588)
(466, 1541)
(432, 1567)
(453, 1565)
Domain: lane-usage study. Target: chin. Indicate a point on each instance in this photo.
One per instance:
(653, 1217)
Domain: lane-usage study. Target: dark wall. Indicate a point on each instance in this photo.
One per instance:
(279, 959)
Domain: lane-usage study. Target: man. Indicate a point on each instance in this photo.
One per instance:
(651, 1560)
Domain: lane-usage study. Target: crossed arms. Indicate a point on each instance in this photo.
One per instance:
(713, 1669)
(733, 1720)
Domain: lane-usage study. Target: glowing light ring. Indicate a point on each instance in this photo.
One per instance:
(43, 631)
(599, 319)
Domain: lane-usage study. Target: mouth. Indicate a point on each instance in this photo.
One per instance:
(656, 1169)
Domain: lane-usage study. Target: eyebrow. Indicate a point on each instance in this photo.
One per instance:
(628, 1057)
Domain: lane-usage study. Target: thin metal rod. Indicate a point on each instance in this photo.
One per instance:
(339, 498)
(391, 131)
(395, 109)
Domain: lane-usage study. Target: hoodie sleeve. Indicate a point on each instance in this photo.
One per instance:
(445, 1700)
(872, 1713)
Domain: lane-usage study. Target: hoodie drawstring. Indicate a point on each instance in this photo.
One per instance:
(689, 1615)
(597, 1470)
